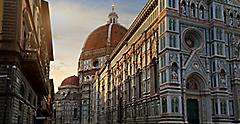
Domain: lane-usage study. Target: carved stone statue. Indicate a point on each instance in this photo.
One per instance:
(236, 47)
(230, 21)
(174, 75)
(184, 9)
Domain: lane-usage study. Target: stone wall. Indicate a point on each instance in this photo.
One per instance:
(17, 99)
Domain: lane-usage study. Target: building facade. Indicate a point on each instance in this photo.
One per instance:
(179, 62)
(25, 55)
(66, 106)
(97, 48)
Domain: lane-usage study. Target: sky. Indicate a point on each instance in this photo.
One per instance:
(73, 20)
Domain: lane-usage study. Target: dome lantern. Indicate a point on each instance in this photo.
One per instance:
(113, 16)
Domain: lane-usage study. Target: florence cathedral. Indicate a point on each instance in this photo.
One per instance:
(178, 62)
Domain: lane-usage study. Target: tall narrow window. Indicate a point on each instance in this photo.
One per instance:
(172, 3)
(184, 8)
(231, 19)
(225, 17)
(231, 109)
(163, 60)
(22, 90)
(75, 113)
(164, 105)
(223, 105)
(219, 34)
(175, 104)
(201, 12)
(172, 24)
(164, 76)
(218, 11)
(162, 43)
(172, 39)
(220, 49)
(214, 107)
(193, 10)
(162, 4)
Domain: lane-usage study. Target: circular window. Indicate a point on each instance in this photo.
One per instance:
(96, 63)
(193, 39)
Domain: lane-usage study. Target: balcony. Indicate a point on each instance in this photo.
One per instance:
(32, 68)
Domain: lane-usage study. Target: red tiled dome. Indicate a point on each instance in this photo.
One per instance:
(99, 37)
(73, 80)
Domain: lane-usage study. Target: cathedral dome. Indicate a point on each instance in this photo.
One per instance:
(99, 38)
(108, 35)
(72, 81)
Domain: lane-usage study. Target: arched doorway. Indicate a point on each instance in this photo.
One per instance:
(198, 109)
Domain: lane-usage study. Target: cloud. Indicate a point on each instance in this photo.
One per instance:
(73, 21)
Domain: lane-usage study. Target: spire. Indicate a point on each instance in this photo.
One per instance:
(113, 7)
(113, 17)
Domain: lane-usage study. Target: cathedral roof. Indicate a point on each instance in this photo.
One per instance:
(100, 37)
(107, 35)
(72, 81)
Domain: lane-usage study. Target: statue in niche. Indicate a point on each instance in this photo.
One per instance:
(223, 81)
(236, 47)
(236, 69)
(174, 71)
(173, 58)
(184, 9)
(231, 19)
(201, 12)
(174, 75)
(191, 85)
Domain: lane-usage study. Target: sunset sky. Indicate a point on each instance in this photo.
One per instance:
(73, 21)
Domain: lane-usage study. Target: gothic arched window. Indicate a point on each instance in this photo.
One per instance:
(184, 8)
(193, 10)
(172, 3)
(231, 19)
(201, 12)
(175, 104)
(164, 105)
(22, 90)
(223, 105)
(225, 17)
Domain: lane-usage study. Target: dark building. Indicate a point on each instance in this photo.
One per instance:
(25, 55)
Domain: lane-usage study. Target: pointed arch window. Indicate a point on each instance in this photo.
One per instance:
(193, 10)
(173, 41)
(223, 105)
(172, 3)
(184, 8)
(231, 19)
(22, 90)
(175, 104)
(164, 105)
(201, 12)
(172, 24)
(218, 11)
(225, 17)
